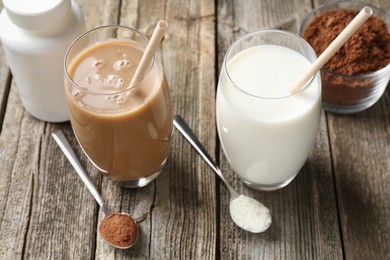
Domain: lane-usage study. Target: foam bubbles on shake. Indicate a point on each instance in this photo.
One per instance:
(122, 64)
(110, 119)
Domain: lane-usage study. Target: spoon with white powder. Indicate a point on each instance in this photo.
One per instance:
(249, 214)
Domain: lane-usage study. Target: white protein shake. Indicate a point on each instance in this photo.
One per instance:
(266, 132)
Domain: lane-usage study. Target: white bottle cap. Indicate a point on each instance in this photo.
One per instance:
(36, 14)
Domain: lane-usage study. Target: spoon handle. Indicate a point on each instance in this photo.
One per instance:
(186, 131)
(63, 143)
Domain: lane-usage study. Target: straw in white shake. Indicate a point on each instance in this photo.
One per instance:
(352, 27)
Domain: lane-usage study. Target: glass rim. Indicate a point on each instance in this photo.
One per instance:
(265, 31)
(358, 76)
(101, 28)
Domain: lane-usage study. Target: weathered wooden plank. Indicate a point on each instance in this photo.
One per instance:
(38, 194)
(134, 201)
(66, 214)
(63, 212)
(15, 189)
(181, 203)
(5, 83)
(100, 12)
(48, 212)
(360, 145)
(185, 208)
(305, 224)
(361, 149)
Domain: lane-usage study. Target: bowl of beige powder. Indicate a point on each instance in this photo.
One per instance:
(356, 77)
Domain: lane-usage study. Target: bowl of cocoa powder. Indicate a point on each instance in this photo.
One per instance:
(356, 77)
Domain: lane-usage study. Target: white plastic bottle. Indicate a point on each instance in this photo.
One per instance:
(35, 35)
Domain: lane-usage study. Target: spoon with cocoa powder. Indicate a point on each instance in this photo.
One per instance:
(119, 230)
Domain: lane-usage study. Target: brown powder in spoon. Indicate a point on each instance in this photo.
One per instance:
(119, 229)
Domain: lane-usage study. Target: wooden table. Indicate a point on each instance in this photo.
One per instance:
(337, 207)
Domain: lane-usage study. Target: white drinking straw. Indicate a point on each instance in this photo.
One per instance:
(150, 50)
(352, 27)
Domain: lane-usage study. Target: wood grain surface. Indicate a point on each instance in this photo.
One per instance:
(338, 207)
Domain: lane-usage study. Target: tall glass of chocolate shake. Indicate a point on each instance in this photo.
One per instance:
(124, 131)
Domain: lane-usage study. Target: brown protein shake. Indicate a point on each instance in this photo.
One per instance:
(125, 132)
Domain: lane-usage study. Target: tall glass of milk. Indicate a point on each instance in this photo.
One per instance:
(266, 132)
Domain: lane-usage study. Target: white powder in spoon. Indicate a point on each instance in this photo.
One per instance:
(250, 214)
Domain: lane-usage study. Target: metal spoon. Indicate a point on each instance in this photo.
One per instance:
(63, 143)
(255, 209)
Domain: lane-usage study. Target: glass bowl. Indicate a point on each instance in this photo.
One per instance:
(343, 93)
